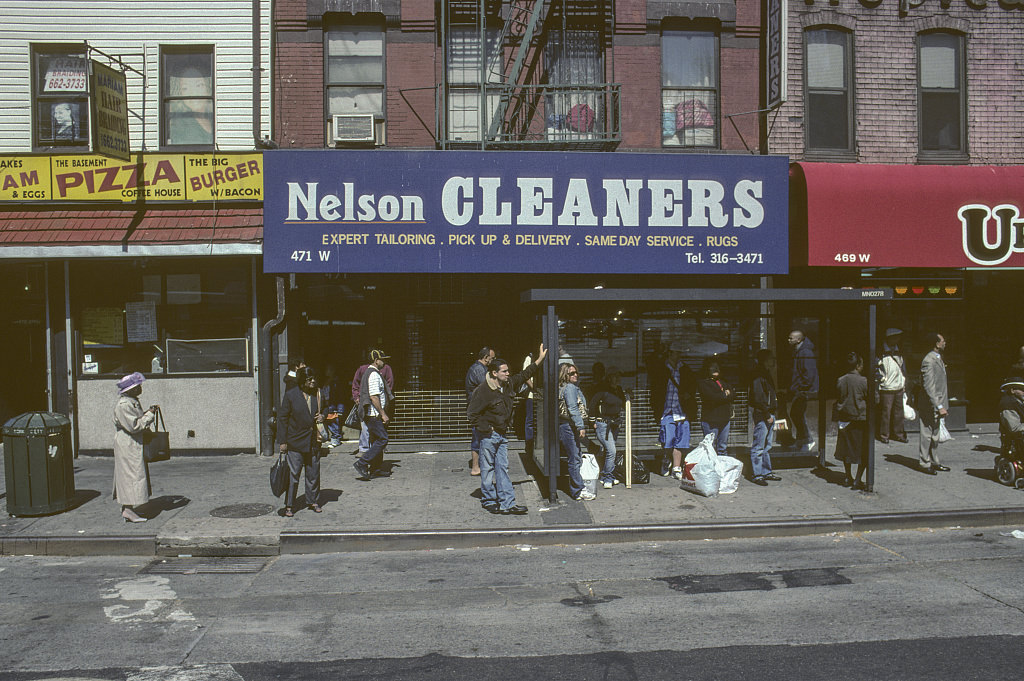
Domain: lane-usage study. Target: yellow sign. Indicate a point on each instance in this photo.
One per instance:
(159, 177)
(110, 112)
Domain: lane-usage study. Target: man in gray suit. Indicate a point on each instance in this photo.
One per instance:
(935, 407)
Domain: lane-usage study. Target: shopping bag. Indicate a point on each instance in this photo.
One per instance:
(729, 472)
(352, 420)
(279, 476)
(781, 427)
(908, 412)
(700, 474)
(589, 471)
(156, 444)
(944, 435)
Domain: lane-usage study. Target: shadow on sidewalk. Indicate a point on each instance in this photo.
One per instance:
(169, 502)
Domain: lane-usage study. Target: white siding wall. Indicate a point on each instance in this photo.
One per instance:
(134, 30)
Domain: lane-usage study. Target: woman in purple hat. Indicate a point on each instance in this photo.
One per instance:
(131, 476)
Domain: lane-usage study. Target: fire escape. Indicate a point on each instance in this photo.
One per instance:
(527, 74)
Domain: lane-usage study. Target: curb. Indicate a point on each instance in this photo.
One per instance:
(140, 545)
(294, 542)
(977, 517)
(325, 541)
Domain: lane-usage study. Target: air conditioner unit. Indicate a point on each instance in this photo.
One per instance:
(354, 128)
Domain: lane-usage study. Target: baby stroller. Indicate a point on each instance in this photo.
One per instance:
(1010, 461)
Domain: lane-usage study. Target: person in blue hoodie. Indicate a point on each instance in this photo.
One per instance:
(803, 386)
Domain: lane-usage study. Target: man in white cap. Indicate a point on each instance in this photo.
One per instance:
(374, 397)
(892, 383)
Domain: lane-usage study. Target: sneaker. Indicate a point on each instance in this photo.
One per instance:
(586, 496)
(677, 473)
(608, 485)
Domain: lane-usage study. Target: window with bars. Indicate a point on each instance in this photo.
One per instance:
(60, 97)
(689, 89)
(575, 67)
(942, 102)
(828, 104)
(186, 90)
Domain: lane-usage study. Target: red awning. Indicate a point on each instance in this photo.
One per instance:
(863, 215)
(120, 226)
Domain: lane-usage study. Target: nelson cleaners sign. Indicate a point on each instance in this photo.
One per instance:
(434, 211)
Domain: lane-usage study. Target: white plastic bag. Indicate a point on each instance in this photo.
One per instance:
(729, 471)
(700, 474)
(908, 412)
(589, 471)
(944, 435)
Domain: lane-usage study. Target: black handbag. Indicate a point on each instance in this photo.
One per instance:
(279, 476)
(156, 445)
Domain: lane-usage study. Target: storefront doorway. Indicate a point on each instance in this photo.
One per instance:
(22, 340)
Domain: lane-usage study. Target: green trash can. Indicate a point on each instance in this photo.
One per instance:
(37, 462)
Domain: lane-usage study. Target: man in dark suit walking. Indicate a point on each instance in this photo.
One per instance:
(302, 412)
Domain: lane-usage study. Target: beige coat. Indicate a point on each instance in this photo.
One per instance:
(131, 483)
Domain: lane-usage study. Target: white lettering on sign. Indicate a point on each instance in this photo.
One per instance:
(364, 208)
(991, 235)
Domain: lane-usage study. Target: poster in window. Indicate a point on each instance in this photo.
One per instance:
(65, 74)
(183, 289)
(102, 326)
(140, 322)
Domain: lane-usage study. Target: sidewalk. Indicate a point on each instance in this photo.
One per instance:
(222, 506)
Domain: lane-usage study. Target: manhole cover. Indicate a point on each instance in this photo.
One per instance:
(210, 566)
(241, 511)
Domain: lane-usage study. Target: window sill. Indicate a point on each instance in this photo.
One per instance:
(944, 158)
(831, 155)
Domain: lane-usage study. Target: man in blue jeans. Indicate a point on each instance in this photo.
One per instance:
(374, 397)
(490, 413)
(764, 404)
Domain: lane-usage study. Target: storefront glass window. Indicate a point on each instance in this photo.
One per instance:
(160, 318)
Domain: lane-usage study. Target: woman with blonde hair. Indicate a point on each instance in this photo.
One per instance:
(572, 417)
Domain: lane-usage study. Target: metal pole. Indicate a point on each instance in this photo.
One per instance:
(869, 367)
(628, 462)
(824, 353)
(552, 457)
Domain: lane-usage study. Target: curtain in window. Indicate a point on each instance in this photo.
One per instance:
(575, 60)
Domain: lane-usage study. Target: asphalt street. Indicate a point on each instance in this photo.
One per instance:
(935, 604)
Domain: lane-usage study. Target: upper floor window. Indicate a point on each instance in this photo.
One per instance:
(465, 69)
(355, 72)
(61, 97)
(828, 105)
(941, 99)
(186, 91)
(689, 89)
(575, 66)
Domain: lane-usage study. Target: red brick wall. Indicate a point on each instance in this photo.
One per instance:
(414, 66)
(885, 80)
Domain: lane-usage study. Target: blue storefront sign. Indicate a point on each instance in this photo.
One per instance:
(444, 211)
